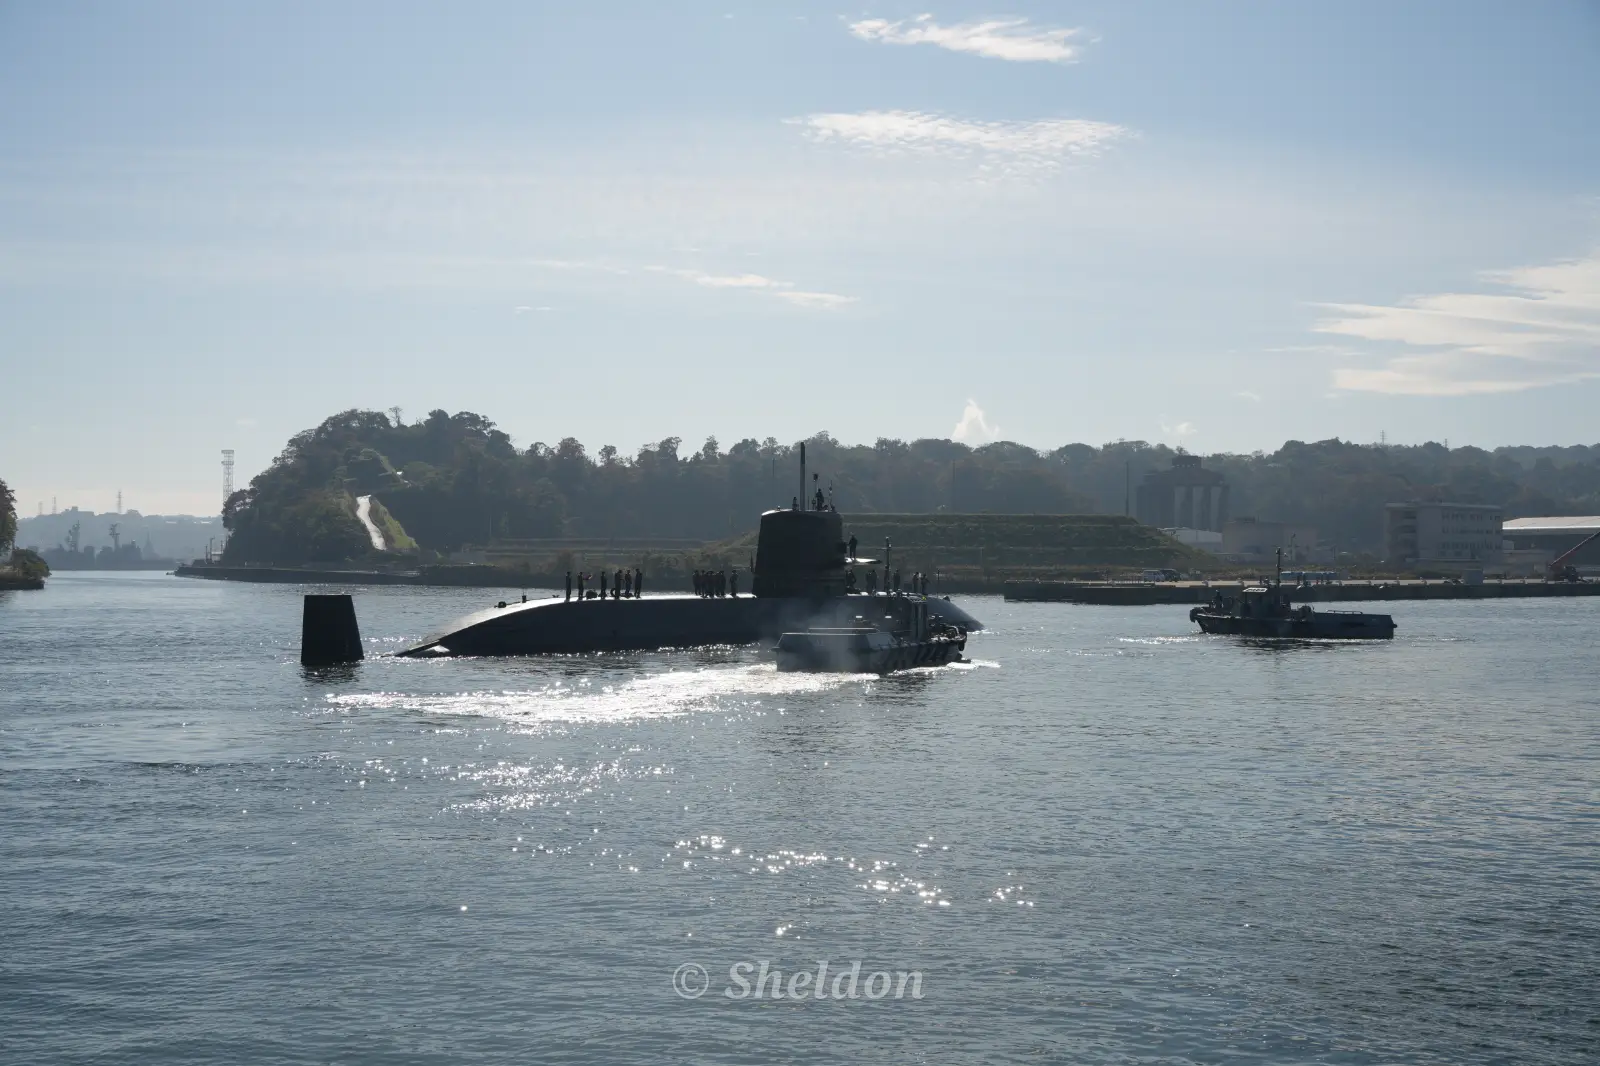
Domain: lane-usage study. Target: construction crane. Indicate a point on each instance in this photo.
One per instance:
(1561, 569)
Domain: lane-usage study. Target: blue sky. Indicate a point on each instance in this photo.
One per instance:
(1221, 225)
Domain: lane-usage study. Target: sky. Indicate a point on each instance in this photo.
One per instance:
(1220, 225)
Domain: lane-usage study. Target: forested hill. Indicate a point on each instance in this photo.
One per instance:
(453, 480)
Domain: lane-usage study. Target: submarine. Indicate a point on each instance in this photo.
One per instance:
(800, 583)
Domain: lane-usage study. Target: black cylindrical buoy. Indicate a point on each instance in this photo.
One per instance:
(328, 631)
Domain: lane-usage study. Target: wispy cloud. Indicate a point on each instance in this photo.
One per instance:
(1246, 394)
(1181, 430)
(1545, 330)
(783, 290)
(826, 301)
(1044, 143)
(1011, 38)
(974, 427)
(721, 281)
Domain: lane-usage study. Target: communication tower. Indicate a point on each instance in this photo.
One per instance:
(227, 474)
(119, 501)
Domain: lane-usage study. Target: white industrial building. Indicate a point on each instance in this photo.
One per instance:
(1444, 536)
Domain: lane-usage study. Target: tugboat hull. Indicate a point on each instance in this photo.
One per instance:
(862, 651)
(1306, 625)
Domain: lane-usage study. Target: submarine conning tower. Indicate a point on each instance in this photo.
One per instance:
(800, 553)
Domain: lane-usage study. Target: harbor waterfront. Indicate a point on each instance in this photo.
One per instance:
(1106, 839)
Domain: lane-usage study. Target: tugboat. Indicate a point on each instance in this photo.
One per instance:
(905, 637)
(1265, 611)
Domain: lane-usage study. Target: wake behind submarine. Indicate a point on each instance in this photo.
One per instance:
(800, 583)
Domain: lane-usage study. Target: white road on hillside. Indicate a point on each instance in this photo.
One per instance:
(364, 512)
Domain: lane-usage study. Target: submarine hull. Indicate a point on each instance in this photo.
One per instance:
(669, 621)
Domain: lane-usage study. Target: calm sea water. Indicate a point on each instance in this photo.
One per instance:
(1107, 840)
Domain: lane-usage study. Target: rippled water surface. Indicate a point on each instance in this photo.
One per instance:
(1105, 840)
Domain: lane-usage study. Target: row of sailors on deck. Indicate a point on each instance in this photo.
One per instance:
(815, 503)
(625, 585)
(919, 583)
(716, 583)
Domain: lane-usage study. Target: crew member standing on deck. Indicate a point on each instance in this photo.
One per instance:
(569, 586)
(638, 582)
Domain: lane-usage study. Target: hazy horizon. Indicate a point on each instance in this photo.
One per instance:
(1206, 225)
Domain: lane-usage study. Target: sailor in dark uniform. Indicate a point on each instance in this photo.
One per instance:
(569, 586)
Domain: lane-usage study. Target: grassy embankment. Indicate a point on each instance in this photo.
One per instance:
(394, 534)
(965, 550)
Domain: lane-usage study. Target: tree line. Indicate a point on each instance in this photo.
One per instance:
(455, 479)
(15, 561)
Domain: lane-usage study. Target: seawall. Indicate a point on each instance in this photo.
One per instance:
(1136, 595)
(288, 575)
